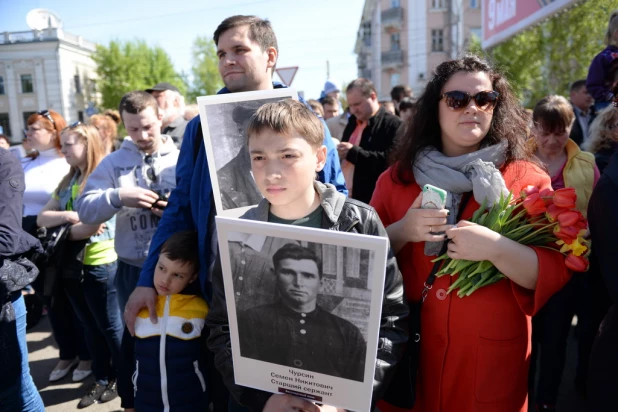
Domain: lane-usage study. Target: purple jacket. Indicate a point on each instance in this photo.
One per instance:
(601, 74)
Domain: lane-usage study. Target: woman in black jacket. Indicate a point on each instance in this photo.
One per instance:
(17, 390)
(603, 220)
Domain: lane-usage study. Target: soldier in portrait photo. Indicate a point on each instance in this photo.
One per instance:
(294, 330)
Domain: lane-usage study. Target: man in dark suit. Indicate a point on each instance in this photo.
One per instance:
(583, 108)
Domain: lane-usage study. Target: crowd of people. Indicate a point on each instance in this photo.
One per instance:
(139, 247)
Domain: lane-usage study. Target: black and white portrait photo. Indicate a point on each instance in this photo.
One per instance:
(301, 332)
(224, 122)
(302, 299)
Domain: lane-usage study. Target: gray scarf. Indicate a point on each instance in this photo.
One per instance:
(475, 172)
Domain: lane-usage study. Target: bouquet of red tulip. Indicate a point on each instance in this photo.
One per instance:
(537, 218)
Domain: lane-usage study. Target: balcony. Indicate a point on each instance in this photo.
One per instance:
(392, 58)
(392, 19)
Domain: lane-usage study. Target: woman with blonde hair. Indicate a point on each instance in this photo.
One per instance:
(107, 125)
(88, 281)
(603, 138)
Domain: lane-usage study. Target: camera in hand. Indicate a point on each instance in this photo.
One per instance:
(163, 196)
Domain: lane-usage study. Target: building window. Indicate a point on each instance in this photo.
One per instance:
(1, 85)
(78, 84)
(80, 116)
(437, 40)
(395, 42)
(395, 79)
(4, 123)
(395, 3)
(438, 4)
(26, 83)
(367, 33)
(475, 4)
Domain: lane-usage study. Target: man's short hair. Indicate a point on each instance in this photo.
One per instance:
(260, 30)
(578, 85)
(400, 91)
(136, 102)
(288, 117)
(364, 86)
(183, 246)
(329, 100)
(295, 252)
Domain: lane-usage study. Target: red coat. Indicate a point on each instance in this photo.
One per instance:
(474, 350)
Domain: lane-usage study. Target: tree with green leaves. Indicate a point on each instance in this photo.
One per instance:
(547, 58)
(133, 65)
(205, 72)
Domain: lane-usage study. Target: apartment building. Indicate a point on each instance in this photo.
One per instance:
(402, 41)
(44, 69)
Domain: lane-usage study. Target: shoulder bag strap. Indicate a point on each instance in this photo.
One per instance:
(436, 266)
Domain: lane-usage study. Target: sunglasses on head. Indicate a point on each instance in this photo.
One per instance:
(458, 100)
(46, 114)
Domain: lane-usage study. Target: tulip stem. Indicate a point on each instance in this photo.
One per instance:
(537, 231)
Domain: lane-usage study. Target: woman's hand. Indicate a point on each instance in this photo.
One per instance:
(418, 225)
(469, 241)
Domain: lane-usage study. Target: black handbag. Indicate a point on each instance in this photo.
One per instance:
(52, 242)
(401, 391)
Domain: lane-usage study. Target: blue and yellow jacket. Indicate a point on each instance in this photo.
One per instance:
(169, 371)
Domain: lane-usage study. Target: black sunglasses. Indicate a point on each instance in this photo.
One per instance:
(150, 172)
(458, 100)
(47, 115)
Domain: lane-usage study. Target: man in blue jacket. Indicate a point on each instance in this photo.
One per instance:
(247, 51)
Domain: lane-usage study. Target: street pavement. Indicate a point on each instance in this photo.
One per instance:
(64, 395)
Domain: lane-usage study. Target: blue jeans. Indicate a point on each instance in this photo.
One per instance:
(23, 395)
(96, 305)
(126, 281)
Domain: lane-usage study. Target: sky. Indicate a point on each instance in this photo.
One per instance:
(308, 32)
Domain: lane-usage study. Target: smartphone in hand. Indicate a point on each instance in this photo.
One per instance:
(433, 197)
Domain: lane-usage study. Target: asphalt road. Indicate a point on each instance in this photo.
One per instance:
(63, 395)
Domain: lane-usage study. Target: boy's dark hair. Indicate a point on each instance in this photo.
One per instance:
(183, 246)
(260, 30)
(364, 86)
(578, 85)
(136, 102)
(296, 252)
(287, 117)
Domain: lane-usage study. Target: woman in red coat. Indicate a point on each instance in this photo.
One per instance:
(467, 136)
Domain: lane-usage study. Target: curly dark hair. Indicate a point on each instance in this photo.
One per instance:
(508, 122)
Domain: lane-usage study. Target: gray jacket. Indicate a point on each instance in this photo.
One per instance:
(340, 214)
